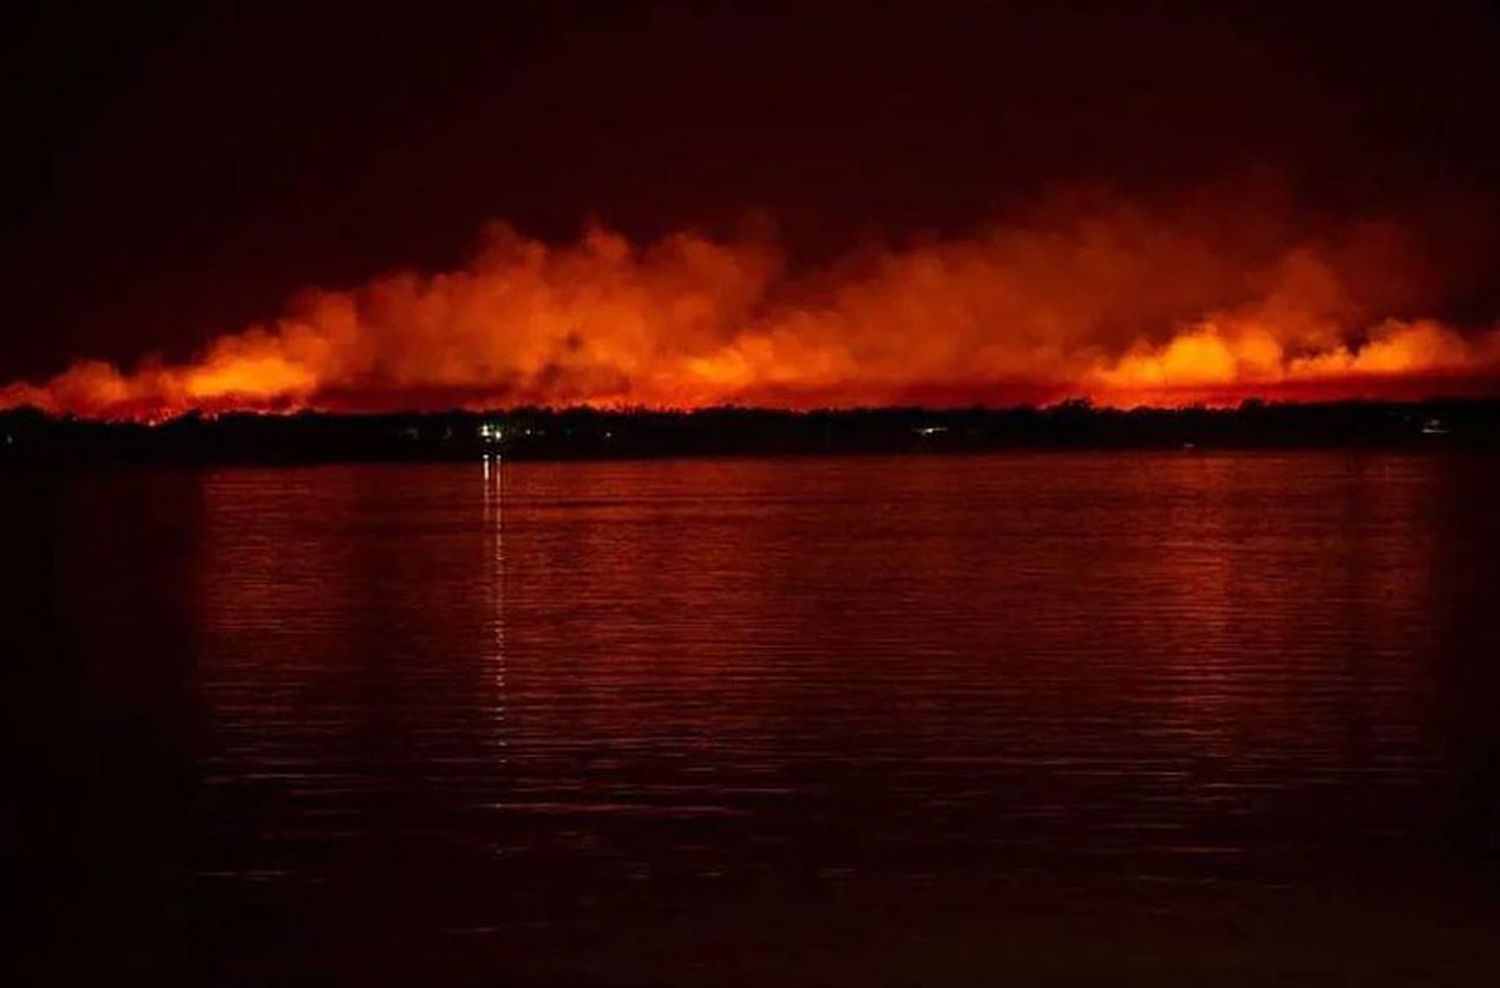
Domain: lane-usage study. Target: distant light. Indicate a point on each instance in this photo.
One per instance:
(931, 430)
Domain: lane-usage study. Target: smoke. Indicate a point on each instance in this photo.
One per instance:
(1118, 303)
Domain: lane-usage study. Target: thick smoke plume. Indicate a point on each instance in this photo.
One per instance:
(1118, 304)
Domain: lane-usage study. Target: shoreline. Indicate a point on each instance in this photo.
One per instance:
(30, 436)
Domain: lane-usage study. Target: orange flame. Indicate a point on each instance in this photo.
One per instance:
(1114, 306)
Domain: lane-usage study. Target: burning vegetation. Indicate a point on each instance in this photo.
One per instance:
(1113, 303)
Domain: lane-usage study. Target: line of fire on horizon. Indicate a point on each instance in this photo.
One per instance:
(1115, 305)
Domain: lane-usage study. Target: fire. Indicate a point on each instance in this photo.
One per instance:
(1207, 360)
(1114, 305)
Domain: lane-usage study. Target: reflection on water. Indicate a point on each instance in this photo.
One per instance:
(1052, 715)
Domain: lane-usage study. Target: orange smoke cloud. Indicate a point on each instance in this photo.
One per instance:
(1115, 305)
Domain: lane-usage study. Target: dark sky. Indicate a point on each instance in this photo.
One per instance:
(174, 172)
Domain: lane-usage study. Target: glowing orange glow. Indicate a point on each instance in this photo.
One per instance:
(1115, 306)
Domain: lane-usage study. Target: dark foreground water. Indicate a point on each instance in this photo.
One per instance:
(1066, 718)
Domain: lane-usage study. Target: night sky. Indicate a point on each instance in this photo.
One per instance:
(173, 173)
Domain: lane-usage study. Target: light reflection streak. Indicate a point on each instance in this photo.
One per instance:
(494, 523)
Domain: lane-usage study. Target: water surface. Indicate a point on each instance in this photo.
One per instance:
(1052, 717)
